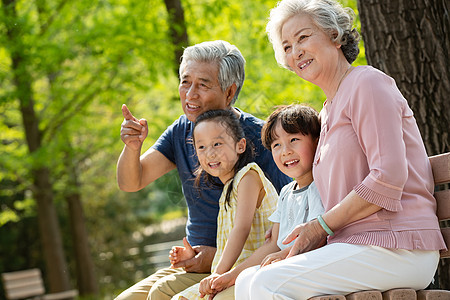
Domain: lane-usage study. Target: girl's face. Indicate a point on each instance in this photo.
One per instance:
(309, 51)
(293, 154)
(217, 151)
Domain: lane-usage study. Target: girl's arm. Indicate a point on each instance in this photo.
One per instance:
(227, 279)
(248, 196)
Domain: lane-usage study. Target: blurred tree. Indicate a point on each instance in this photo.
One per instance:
(410, 41)
(50, 233)
(177, 28)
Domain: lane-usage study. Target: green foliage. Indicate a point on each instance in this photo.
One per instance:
(86, 58)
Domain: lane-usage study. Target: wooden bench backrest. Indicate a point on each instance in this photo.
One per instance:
(440, 165)
(23, 284)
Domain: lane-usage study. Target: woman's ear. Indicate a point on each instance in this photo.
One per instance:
(231, 91)
(241, 145)
(334, 35)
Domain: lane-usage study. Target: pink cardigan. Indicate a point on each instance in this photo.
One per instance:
(370, 143)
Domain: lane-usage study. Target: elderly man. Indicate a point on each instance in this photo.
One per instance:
(211, 77)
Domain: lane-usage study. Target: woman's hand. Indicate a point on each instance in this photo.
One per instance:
(308, 236)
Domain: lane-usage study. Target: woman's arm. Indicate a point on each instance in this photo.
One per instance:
(310, 235)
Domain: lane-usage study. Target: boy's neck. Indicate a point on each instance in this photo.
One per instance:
(304, 180)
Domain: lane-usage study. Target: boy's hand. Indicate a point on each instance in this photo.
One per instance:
(274, 257)
(268, 234)
(178, 254)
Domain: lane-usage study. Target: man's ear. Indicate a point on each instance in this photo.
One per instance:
(230, 92)
(241, 145)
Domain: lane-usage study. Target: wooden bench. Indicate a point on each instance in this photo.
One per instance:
(29, 283)
(440, 165)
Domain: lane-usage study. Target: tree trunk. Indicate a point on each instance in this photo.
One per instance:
(56, 266)
(410, 41)
(178, 31)
(86, 279)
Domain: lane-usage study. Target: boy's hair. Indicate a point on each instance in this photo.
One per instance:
(231, 123)
(294, 118)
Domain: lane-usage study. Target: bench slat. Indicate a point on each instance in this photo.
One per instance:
(328, 297)
(400, 294)
(61, 295)
(24, 292)
(433, 295)
(18, 275)
(365, 295)
(443, 204)
(441, 167)
(446, 235)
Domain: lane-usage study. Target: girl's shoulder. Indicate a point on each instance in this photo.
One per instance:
(245, 171)
(254, 175)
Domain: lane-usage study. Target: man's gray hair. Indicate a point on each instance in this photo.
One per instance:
(228, 57)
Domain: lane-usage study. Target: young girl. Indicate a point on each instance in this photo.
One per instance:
(247, 200)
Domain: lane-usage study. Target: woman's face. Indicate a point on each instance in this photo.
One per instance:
(309, 51)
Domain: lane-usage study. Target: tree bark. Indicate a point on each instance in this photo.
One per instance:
(410, 41)
(178, 31)
(50, 235)
(86, 279)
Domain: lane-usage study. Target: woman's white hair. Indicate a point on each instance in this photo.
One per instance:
(228, 57)
(328, 15)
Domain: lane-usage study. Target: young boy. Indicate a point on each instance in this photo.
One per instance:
(291, 133)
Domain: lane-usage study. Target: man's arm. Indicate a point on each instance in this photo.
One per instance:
(134, 172)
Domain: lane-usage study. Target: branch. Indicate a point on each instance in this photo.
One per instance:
(69, 110)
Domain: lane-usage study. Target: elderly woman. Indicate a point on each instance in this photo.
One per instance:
(370, 167)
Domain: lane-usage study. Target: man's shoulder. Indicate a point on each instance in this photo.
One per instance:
(250, 121)
(182, 124)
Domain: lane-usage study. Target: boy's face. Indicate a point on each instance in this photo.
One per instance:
(293, 154)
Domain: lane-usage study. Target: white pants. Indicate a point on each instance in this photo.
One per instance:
(338, 269)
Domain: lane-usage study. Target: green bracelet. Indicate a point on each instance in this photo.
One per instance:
(324, 225)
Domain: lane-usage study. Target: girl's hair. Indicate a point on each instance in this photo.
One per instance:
(294, 118)
(227, 57)
(329, 15)
(230, 122)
